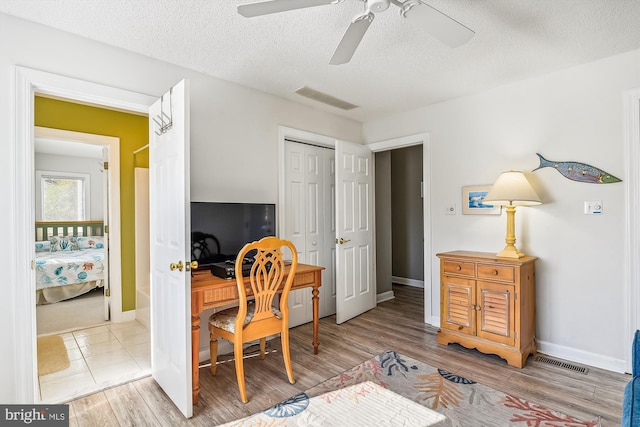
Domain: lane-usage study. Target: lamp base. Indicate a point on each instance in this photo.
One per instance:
(510, 252)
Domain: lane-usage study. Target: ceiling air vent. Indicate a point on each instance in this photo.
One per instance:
(307, 92)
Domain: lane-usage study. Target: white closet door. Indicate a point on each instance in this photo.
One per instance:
(307, 202)
(295, 227)
(328, 289)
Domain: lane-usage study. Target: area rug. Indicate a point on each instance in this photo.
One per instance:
(52, 355)
(462, 401)
(364, 404)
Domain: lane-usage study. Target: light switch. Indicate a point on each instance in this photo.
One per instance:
(593, 208)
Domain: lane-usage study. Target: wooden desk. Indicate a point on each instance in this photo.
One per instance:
(209, 291)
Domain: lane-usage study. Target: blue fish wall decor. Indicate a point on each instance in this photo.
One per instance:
(580, 172)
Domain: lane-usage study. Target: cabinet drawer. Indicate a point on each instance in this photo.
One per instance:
(460, 268)
(497, 272)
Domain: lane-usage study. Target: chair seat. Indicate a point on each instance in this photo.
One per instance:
(225, 319)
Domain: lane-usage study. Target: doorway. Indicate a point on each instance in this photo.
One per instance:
(98, 353)
(403, 142)
(30, 82)
(61, 153)
(398, 143)
(399, 214)
(632, 104)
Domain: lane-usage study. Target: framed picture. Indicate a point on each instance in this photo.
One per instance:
(473, 201)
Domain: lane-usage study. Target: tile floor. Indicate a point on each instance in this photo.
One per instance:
(100, 357)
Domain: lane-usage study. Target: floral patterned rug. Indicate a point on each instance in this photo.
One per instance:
(462, 401)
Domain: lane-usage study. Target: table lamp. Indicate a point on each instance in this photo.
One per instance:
(511, 189)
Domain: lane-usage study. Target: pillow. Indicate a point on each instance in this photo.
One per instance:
(93, 242)
(63, 243)
(43, 246)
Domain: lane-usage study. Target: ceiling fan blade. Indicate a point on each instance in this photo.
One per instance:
(351, 39)
(446, 29)
(274, 6)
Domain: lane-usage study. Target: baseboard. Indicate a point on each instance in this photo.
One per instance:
(385, 296)
(409, 282)
(582, 357)
(435, 321)
(125, 316)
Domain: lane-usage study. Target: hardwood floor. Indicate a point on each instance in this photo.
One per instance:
(397, 325)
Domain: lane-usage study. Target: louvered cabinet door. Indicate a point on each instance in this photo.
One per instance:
(488, 303)
(495, 308)
(459, 313)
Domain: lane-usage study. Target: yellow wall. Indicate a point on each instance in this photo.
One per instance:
(133, 131)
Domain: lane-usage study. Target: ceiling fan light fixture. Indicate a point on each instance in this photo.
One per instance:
(406, 7)
(377, 6)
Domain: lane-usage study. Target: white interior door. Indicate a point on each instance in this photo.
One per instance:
(310, 210)
(169, 225)
(106, 197)
(295, 206)
(355, 257)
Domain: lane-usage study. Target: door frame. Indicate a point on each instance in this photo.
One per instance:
(390, 144)
(423, 139)
(114, 277)
(27, 83)
(632, 252)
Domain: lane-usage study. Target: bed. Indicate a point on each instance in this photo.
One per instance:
(69, 259)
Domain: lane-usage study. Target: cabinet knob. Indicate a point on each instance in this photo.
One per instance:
(460, 327)
(494, 272)
(458, 268)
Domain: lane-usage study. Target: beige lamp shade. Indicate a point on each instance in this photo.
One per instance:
(512, 188)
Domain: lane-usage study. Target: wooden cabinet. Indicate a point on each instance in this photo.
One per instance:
(488, 303)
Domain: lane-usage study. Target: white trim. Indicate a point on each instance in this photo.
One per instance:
(408, 141)
(126, 316)
(384, 296)
(408, 282)
(632, 249)
(580, 356)
(27, 83)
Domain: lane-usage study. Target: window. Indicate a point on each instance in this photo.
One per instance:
(64, 196)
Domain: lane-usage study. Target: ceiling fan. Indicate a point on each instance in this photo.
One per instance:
(436, 23)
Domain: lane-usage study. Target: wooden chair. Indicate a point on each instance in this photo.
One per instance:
(256, 317)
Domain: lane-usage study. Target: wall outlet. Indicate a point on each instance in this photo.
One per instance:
(593, 208)
(450, 210)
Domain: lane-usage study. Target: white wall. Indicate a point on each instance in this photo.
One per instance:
(574, 115)
(234, 133)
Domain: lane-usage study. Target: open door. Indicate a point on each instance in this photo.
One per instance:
(355, 258)
(169, 225)
(106, 197)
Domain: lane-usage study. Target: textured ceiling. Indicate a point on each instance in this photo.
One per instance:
(396, 68)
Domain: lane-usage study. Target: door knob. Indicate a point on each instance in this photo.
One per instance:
(191, 265)
(179, 266)
(342, 241)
